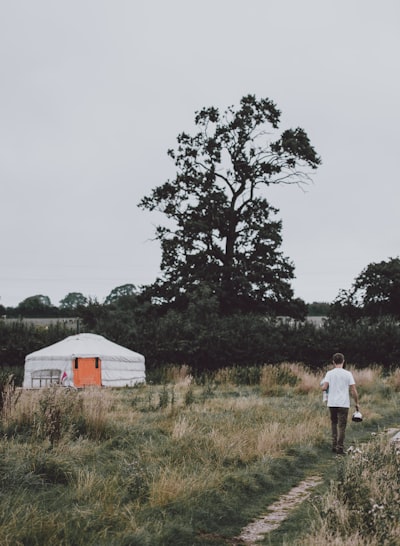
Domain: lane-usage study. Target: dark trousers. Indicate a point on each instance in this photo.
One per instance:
(338, 422)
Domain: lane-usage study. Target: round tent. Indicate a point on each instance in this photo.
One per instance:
(84, 360)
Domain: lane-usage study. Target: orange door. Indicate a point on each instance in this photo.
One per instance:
(87, 372)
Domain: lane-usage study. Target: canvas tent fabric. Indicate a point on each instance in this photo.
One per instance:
(111, 365)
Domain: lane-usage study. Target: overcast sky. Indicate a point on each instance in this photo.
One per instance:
(94, 92)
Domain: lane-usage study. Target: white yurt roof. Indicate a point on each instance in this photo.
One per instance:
(86, 345)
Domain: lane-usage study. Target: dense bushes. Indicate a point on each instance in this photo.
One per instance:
(253, 340)
(210, 342)
(17, 339)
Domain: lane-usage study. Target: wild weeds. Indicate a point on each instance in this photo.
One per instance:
(54, 412)
(363, 504)
(274, 379)
(394, 380)
(164, 397)
(8, 395)
(189, 396)
(59, 413)
(367, 378)
(179, 375)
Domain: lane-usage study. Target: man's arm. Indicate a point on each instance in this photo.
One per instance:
(325, 386)
(354, 394)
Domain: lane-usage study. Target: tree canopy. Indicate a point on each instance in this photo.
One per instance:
(224, 233)
(374, 293)
(120, 292)
(36, 306)
(73, 300)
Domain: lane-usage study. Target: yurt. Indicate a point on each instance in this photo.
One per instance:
(84, 360)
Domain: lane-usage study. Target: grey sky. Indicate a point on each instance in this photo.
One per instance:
(94, 92)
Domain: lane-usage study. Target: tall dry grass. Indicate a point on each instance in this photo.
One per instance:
(363, 505)
(112, 458)
(367, 378)
(393, 380)
(179, 375)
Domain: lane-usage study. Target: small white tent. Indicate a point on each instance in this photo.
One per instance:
(84, 360)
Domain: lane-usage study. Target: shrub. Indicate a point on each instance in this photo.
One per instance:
(273, 378)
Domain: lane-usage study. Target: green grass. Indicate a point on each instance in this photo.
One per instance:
(295, 531)
(181, 463)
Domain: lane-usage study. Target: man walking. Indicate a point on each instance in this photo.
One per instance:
(339, 383)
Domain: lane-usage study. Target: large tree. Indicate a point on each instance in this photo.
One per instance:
(36, 306)
(72, 301)
(126, 290)
(375, 292)
(224, 232)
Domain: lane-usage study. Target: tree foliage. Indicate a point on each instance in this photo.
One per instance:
(204, 339)
(120, 292)
(72, 301)
(374, 293)
(318, 308)
(36, 306)
(224, 233)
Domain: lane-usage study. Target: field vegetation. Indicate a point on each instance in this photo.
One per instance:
(362, 506)
(205, 340)
(189, 460)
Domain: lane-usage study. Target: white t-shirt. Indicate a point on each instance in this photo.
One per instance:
(339, 382)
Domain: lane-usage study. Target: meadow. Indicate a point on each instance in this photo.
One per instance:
(191, 460)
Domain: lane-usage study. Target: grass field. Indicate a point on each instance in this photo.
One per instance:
(190, 462)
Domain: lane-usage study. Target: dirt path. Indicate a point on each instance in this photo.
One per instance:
(278, 512)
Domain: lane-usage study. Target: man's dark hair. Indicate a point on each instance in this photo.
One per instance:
(338, 358)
